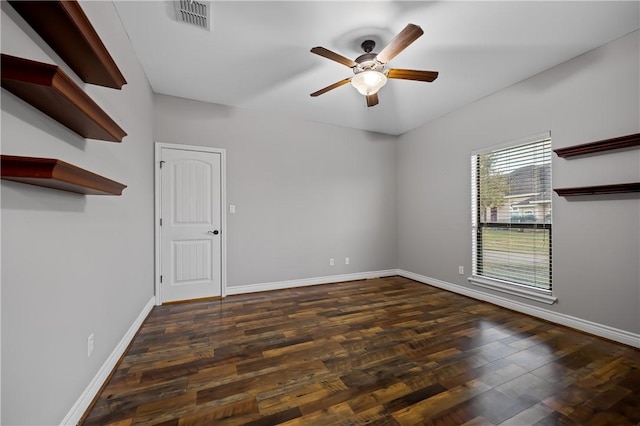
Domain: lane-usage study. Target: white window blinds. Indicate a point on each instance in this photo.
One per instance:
(511, 189)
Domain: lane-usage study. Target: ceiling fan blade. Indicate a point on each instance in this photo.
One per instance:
(331, 87)
(401, 74)
(372, 100)
(333, 56)
(400, 42)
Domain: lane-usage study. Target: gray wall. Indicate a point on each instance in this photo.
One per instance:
(71, 264)
(304, 192)
(596, 247)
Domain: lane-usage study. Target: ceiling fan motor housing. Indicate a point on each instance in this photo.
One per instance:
(368, 62)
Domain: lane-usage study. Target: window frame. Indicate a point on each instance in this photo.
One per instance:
(505, 286)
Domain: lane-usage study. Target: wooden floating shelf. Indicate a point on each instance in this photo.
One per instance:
(66, 28)
(619, 188)
(49, 89)
(56, 174)
(621, 142)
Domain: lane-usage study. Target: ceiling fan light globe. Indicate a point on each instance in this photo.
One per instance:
(368, 82)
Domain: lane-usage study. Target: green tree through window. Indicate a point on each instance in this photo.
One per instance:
(494, 185)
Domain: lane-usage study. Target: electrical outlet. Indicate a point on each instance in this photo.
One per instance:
(332, 262)
(90, 345)
(346, 261)
(232, 209)
(461, 270)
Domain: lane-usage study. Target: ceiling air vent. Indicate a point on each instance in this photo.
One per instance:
(193, 12)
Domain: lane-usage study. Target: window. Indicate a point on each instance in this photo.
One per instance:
(511, 203)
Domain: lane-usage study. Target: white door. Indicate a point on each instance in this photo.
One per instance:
(190, 230)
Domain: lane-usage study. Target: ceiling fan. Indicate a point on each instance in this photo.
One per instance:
(368, 68)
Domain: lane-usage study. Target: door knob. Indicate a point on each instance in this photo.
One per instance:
(214, 232)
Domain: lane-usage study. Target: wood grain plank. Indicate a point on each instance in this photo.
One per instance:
(384, 352)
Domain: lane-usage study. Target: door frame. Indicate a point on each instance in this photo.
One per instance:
(223, 211)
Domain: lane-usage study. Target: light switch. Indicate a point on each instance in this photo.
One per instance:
(232, 208)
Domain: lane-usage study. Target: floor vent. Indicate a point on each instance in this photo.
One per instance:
(193, 12)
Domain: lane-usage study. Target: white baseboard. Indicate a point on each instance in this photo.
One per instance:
(601, 330)
(279, 285)
(82, 404)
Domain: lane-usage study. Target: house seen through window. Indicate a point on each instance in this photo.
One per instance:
(511, 206)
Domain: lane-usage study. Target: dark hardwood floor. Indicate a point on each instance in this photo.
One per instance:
(386, 351)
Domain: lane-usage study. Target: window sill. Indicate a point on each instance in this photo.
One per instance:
(543, 296)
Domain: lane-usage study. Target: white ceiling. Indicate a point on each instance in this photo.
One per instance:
(257, 55)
